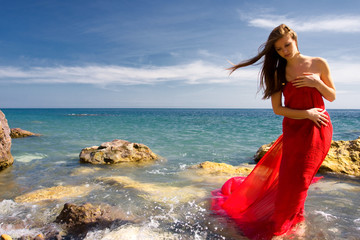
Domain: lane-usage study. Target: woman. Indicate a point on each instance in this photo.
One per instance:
(270, 201)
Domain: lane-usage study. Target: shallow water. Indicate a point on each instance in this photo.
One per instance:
(164, 200)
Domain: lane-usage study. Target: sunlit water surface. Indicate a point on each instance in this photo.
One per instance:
(169, 201)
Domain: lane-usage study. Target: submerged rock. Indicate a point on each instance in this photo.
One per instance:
(117, 151)
(54, 193)
(220, 168)
(162, 193)
(343, 157)
(20, 133)
(6, 159)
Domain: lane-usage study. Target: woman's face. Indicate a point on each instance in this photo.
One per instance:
(286, 47)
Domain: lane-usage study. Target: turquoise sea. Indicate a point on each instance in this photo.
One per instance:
(172, 202)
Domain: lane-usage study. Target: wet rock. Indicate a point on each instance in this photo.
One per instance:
(220, 168)
(20, 133)
(343, 157)
(39, 237)
(161, 193)
(78, 215)
(84, 171)
(54, 193)
(5, 237)
(6, 159)
(214, 173)
(117, 151)
(79, 219)
(262, 150)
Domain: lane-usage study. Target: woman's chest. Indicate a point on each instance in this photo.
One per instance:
(292, 72)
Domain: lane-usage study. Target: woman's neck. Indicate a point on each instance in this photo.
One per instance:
(295, 60)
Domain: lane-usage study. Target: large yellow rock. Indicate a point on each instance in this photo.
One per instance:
(54, 193)
(343, 157)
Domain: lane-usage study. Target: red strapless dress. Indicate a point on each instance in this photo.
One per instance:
(270, 201)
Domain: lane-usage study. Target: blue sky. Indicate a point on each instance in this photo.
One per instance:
(62, 53)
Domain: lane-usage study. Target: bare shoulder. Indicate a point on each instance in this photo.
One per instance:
(320, 62)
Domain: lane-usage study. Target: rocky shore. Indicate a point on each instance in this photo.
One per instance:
(72, 218)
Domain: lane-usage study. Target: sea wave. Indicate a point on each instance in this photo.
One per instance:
(82, 114)
(25, 158)
(327, 216)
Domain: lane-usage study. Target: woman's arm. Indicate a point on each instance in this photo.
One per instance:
(317, 115)
(323, 82)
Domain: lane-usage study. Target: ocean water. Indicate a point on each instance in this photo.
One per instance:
(167, 200)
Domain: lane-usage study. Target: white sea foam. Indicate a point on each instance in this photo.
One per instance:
(7, 206)
(17, 233)
(334, 187)
(25, 158)
(182, 166)
(61, 162)
(132, 232)
(160, 172)
(327, 216)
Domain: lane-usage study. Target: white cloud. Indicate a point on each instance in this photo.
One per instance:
(345, 72)
(197, 72)
(331, 23)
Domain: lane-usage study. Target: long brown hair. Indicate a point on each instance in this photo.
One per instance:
(272, 75)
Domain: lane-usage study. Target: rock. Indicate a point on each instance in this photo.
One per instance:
(213, 173)
(6, 159)
(161, 193)
(343, 157)
(54, 193)
(220, 168)
(5, 237)
(39, 237)
(79, 219)
(84, 171)
(78, 215)
(20, 133)
(262, 150)
(117, 151)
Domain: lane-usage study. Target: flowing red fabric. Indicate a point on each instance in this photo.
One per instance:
(270, 201)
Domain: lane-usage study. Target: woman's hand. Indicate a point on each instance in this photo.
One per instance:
(307, 80)
(318, 116)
